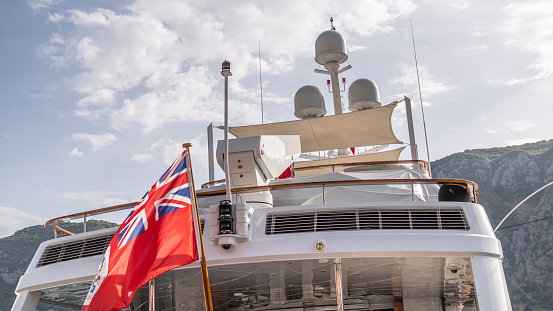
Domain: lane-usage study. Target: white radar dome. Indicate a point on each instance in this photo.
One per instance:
(309, 102)
(363, 94)
(330, 47)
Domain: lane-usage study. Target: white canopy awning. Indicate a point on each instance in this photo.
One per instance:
(362, 128)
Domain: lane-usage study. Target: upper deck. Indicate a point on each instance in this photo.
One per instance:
(376, 213)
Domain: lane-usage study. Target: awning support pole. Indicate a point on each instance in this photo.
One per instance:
(414, 152)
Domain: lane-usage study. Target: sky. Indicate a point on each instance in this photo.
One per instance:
(98, 96)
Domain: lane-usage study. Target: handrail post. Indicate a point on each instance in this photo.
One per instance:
(412, 191)
(84, 223)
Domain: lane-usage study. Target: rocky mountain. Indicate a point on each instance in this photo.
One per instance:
(17, 251)
(506, 176)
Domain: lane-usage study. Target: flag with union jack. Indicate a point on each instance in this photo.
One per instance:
(157, 236)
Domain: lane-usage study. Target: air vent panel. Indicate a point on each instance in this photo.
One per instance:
(367, 219)
(74, 250)
(79, 249)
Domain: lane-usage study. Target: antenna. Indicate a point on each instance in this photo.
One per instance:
(519, 204)
(420, 96)
(260, 83)
(331, 51)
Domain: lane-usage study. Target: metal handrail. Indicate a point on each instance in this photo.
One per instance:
(461, 182)
(471, 187)
(209, 183)
(422, 164)
(58, 220)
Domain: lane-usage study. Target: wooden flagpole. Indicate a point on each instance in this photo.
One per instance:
(152, 290)
(199, 238)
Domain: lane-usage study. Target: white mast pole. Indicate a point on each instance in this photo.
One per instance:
(211, 159)
(332, 68)
(226, 73)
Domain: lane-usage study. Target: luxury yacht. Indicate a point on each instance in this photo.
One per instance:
(321, 216)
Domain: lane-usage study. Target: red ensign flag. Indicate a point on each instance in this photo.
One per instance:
(156, 237)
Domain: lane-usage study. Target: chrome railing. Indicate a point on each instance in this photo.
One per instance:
(55, 222)
(471, 188)
(415, 164)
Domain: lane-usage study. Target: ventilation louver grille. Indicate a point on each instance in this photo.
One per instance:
(74, 250)
(79, 249)
(440, 219)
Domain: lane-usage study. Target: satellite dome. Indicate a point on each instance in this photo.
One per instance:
(330, 47)
(309, 102)
(363, 94)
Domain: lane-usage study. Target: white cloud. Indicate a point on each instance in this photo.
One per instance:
(157, 62)
(199, 151)
(353, 48)
(14, 219)
(165, 148)
(476, 49)
(188, 99)
(430, 85)
(517, 126)
(528, 26)
(479, 31)
(38, 6)
(91, 199)
(513, 127)
(102, 100)
(461, 5)
(75, 152)
(97, 142)
(142, 158)
(169, 149)
(512, 142)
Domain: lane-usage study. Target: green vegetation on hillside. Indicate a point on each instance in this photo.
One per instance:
(490, 154)
(506, 176)
(17, 251)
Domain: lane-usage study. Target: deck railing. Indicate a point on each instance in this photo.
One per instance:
(471, 188)
(55, 222)
(415, 164)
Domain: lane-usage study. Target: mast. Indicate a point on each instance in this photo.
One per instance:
(330, 50)
(226, 73)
